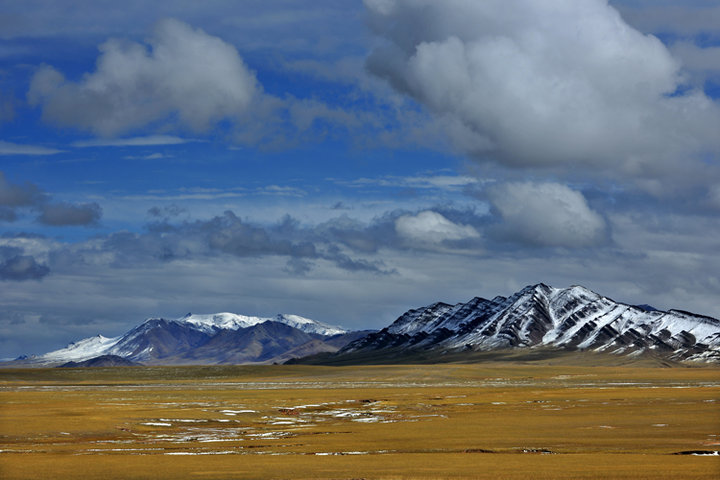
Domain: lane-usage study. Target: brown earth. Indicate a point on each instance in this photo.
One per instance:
(498, 420)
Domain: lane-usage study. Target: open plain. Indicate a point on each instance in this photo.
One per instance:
(499, 420)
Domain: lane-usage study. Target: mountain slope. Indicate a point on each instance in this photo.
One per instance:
(101, 361)
(158, 338)
(256, 344)
(573, 318)
(231, 321)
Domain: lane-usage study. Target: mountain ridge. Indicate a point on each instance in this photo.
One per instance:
(573, 318)
(539, 317)
(222, 338)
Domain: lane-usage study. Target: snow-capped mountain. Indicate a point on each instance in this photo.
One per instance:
(214, 338)
(231, 321)
(573, 318)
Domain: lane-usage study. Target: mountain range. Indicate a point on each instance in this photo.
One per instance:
(223, 338)
(537, 318)
(540, 317)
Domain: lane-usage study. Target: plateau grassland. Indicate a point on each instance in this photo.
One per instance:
(487, 420)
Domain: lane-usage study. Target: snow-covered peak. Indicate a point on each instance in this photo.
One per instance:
(230, 321)
(136, 343)
(220, 321)
(308, 326)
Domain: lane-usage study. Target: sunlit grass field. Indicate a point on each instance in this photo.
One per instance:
(490, 420)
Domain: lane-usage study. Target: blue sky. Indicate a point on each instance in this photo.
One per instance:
(349, 160)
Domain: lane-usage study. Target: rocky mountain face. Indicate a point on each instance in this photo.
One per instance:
(572, 318)
(223, 338)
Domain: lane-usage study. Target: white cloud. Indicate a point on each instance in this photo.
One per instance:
(185, 73)
(448, 182)
(148, 141)
(674, 267)
(151, 156)
(423, 181)
(544, 83)
(429, 227)
(547, 214)
(9, 148)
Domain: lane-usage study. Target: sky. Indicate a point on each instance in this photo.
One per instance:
(349, 160)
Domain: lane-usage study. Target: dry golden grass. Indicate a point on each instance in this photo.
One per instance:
(391, 422)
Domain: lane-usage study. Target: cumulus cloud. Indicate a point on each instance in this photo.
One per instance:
(61, 214)
(183, 74)
(663, 258)
(15, 197)
(18, 195)
(16, 266)
(184, 78)
(166, 211)
(229, 235)
(356, 235)
(546, 214)
(543, 83)
(429, 227)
